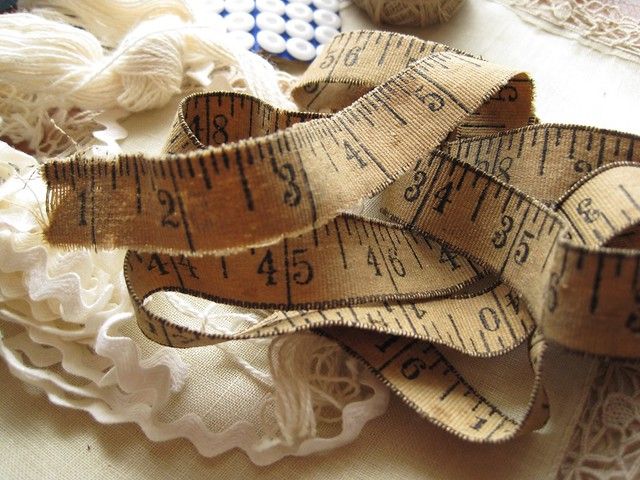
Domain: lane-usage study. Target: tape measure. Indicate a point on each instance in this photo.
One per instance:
(480, 234)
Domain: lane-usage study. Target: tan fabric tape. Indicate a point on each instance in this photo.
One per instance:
(475, 226)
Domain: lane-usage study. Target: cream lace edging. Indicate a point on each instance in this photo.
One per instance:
(600, 24)
(606, 441)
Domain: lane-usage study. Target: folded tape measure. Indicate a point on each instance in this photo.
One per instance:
(481, 234)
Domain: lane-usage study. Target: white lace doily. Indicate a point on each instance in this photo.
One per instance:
(611, 26)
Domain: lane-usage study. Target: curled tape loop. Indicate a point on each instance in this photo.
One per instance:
(480, 234)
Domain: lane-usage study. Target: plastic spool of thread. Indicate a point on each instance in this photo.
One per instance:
(300, 49)
(409, 12)
(271, 42)
(327, 17)
(324, 34)
(245, 39)
(333, 5)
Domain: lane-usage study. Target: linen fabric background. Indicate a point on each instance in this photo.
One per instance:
(574, 84)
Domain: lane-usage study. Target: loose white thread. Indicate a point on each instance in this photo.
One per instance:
(314, 380)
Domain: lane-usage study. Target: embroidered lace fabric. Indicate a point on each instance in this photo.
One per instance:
(606, 442)
(611, 26)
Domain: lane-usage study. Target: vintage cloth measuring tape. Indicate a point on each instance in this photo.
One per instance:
(479, 225)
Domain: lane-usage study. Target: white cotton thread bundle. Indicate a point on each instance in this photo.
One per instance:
(58, 68)
(42, 55)
(110, 20)
(37, 123)
(146, 70)
(314, 381)
(409, 12)
(221, 320)
(311, 377)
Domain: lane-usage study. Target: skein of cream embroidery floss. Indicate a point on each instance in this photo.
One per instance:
(146, 69)
(417, 13)
(69, 71)
(40, 123)
(111, 20)
(315, 379)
